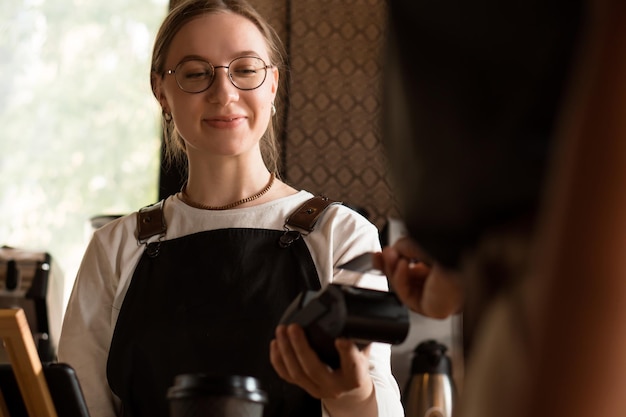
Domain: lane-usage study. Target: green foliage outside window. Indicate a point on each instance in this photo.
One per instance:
(80, 132)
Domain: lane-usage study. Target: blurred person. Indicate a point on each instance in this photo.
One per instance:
(505, 124)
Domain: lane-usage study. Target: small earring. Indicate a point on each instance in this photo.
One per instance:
(273, 109)
(167, 116)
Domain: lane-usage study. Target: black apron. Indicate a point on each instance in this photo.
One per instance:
(209, 303)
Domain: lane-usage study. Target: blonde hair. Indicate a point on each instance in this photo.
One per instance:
(182, 13)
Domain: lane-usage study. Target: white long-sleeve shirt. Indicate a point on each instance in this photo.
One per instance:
(113, 253)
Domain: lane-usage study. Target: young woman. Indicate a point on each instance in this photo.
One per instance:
(199, 281)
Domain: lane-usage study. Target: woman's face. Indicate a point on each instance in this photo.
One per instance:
(223, 120)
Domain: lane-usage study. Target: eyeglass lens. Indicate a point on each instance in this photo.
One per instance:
(245, 73)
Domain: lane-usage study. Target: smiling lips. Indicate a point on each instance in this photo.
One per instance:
(225, 122)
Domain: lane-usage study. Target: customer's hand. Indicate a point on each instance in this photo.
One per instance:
(425, 287)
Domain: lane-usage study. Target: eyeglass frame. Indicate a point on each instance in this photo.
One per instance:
(173, 72)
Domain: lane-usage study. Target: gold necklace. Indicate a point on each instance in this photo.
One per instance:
(185, 198)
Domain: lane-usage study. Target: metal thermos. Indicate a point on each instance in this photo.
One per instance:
(430, 391)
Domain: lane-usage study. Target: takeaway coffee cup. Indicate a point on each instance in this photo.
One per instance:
(202, 395)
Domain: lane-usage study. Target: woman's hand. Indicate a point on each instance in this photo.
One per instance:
(342, 390)
(425, 288)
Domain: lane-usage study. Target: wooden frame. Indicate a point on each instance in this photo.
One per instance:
(20, 346)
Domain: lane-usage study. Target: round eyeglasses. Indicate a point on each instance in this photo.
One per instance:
(196, 75)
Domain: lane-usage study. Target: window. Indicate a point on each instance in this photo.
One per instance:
(80, 130)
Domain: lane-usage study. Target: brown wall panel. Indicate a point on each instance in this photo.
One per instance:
(333, 138)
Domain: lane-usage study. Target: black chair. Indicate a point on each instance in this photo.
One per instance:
(63, 385)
